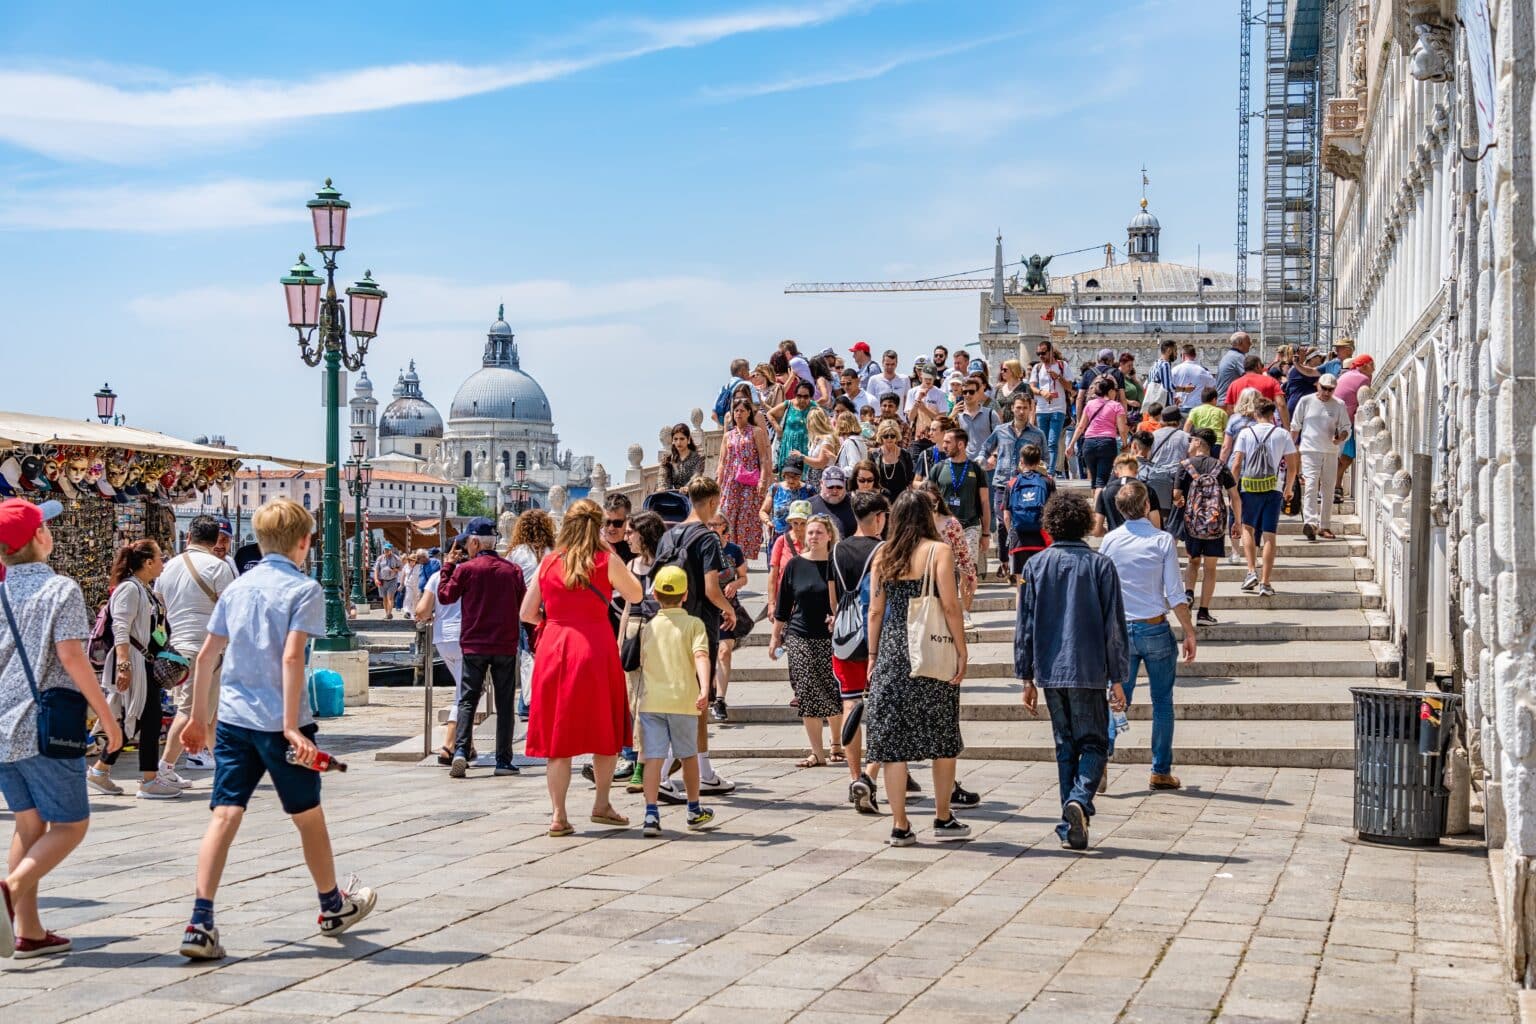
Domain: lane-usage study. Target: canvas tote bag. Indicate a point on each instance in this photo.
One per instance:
(930, 647)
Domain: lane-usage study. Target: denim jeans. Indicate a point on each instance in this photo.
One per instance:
(503, 670)
(1154, 647)
(1099, 458)
(1080, 727)
(1051, 423)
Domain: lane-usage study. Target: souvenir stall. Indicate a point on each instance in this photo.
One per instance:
(117, 484)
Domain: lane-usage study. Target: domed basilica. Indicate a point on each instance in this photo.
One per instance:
(500, 435)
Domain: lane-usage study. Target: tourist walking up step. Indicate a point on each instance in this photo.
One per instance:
(260, 628)
(386, 577)
(1071, 642)
(1207, 493)
(490, 634)
(694, 547)
(190, 586)
(1231, 365)
(1024, 511)
(1356, 375)
(41, 648)
(1264, 462)
(1049, 380)
(1190, 379)
(1208, 415)
(744, 474)
(1254, 377)
(580, 704)
(852, 560)
(1101, 427)
(1000, 454)
(139, 633)
(962, 487)
(802, 611)
(1147, 561)
(1319, 426)
(1107, 513)
(909, 717)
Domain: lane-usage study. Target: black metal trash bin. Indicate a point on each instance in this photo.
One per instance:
(1402, 738)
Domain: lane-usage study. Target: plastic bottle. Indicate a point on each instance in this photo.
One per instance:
(1119, 722)
(323, 762)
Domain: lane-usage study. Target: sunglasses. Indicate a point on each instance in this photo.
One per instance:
(865, 480)
(1325, 387)
(833, 487)
(970, 391)
(615, 524)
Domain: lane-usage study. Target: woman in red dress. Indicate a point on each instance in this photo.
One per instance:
(579, 702)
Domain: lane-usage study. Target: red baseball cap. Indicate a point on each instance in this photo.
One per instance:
(20, 520)
(860, 346)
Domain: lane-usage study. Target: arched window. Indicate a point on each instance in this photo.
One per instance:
(1092, 282)
(506, 461)
(1206, 281)
(469, 465)
(522, 460)
(306, 499)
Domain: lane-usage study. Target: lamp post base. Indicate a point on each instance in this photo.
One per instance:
(352, 667)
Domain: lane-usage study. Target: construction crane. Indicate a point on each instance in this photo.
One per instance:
(958, 282)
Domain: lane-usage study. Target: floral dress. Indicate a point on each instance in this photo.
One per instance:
(907, 717)
(954, 536)
(739, 503)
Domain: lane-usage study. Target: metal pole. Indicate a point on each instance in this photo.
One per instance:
(338, 637)
(1416, 657)
(359, 590)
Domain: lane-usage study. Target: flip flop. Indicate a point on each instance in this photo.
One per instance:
(610, 819)
(811, 762)
(561, 832)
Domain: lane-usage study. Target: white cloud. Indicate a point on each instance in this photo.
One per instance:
(863, 73)
(233, 203)
(70, 116)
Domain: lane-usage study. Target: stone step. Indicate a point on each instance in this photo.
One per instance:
(1316, 595)
(1251, 744)
(1277, 699)
(1217, 658)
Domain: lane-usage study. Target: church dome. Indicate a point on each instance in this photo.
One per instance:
(409, 414)
(1144, 221)
(500, 390)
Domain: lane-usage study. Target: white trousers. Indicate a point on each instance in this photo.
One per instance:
(1319, 473)
(453, 659)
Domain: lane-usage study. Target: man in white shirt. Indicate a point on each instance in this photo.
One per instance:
(446, 620)
(190, 585)
(1051, 383)
(888, 381)
(1147, 561)
(926, 393)
(854, 391)
(1264, 463)
(1190, 379)
(1319, 426)
(797, 362)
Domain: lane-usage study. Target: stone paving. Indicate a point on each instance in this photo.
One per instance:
(1242, 899)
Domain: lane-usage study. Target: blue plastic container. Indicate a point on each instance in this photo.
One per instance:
(327, 694)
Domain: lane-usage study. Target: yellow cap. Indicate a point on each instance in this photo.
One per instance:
(671, 581)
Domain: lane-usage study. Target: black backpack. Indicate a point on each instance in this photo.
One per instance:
(673, 550)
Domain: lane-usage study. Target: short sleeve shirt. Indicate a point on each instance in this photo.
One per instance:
(1277, 438)
(447, 619)
(669, 682)
(256, 614)
(49, 608)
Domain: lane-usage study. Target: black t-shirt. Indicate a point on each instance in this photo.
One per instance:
(960, 489)
(804, 603)
(893, 479)
(841, 513)
(1203, 464)
(849, 557)
(1106, 506)
(702, 555)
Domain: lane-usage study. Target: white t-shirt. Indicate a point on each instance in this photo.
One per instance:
(187, 607)
(1276, 437)
(1192, 375)
(878, 386)
(862, 400)
(1040, 377)
(935, 401)
(446, 618)
(1319, 423)
(802, 368)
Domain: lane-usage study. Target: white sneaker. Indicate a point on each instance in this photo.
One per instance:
(201, 761)
(169, 774)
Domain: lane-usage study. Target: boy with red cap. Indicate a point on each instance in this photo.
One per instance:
(41, 648)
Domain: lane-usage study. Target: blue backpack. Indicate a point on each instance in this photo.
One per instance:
(1026, 500)
(723, 400)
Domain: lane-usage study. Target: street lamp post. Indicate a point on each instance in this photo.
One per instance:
(106, 401)
(521, 504)
(359, 479)
(307, 311)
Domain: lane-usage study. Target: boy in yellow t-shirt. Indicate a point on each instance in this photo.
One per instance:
(674, 678)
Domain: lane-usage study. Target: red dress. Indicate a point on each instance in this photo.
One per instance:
(579, 703)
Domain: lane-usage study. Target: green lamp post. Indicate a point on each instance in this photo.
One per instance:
(359, 472)
(309, 310)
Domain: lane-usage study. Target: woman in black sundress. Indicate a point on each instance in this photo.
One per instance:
(802, 624)
(907, 717)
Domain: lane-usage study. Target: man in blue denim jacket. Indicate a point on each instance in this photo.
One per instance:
(1071, 642)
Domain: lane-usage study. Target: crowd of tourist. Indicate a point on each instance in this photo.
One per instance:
(872, 495)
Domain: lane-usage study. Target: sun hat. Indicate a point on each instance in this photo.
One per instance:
(798, 510)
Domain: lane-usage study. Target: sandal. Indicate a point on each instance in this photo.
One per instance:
(811, 762)
(838, 757)
(1327, 535)
(561, 831)
(610, 817)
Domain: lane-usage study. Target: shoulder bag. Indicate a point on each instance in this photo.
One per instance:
(61, 710)
(930, 647)
(197, 577)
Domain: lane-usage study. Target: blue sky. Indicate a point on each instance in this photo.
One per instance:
(636, 183)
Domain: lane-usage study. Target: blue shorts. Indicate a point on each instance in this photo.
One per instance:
(53, 787)
(243, 756)
(1261, 511)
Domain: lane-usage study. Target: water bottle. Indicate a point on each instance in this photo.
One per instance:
(1119, 722)
(778, 652)
(323, 762)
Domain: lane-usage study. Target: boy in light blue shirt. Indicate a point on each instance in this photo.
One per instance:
(260, 626)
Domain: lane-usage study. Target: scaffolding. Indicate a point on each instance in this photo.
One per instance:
(1244, 118)
(1292, 171)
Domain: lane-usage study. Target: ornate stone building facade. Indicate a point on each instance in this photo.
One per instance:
(1430, 135)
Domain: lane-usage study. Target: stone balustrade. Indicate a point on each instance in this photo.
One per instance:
(642, 479)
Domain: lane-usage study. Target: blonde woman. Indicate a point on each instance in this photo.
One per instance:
(579, 698)
(852, 449)
(821, 444)
(1010, 378)
(802, 610)
(769, 391)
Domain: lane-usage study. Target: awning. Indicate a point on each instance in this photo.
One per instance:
(20, 428)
